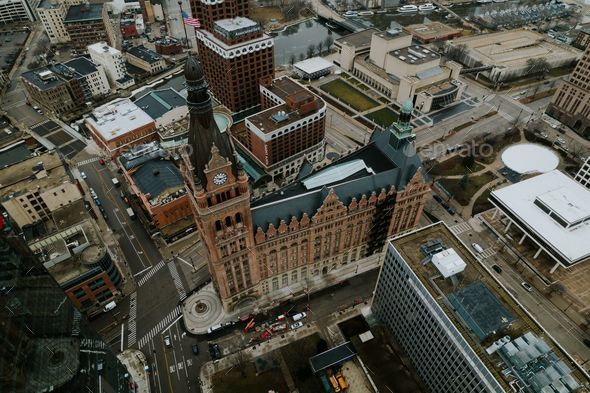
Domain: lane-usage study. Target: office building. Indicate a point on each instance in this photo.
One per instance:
(87, 24)
(327, 226)
(571, 102)
(401, 70)
(113, 64)
(552, 211)
(583, 175)
(47, 344)
(34, 192)
(234, 52)
(52, 14)
(508, 52)
(146, 59)
(352, 45)
(159, 186)
(57, 93)
(13, 11)
(92, 77)
(289, 131)
(119, 125)
(460, 330)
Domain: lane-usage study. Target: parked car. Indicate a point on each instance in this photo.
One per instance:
(214, 328)
(451, 210)
(83, 175)
(215, 351)
(195, 349)
(497, 269)
(296, 325)
(526, 286)
(477, 247)
(437, 198)
(168, 341)
(299, 316)
(92, 193)
(101, 161)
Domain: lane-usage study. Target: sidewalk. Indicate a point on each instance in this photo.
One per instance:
(135, 361)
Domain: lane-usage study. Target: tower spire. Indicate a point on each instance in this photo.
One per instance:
(203, 131)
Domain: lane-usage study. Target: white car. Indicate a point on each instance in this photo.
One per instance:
(83, 175)
(296, 325)
(477, 247)
(526, 286)
(299, 316)
(167, 341)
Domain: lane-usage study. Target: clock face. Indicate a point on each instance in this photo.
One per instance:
(220, 178)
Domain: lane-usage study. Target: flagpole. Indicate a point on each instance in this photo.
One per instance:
(188, 44)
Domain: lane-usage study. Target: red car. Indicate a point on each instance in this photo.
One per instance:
(101, 161)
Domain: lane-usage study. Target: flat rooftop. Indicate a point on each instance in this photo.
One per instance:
(144, 54)
(284, 86)
(237, 24)
(473, 281)
(104, 48)
(81, 65)
(117, 118)
(20, 177)
(278, 116)
(431, 31)
(157, 103)
(514, 47)
(358, 39)
(84, 12)
(415, 55)
(554, 208)
(43, 78)
(313, 65)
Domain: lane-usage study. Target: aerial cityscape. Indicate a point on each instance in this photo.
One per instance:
(295, 196)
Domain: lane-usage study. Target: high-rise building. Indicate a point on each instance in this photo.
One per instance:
(234, 51)
(571, 102)
(12, 11)
(113, 63)
(87, 24)
(313, 233)
(461, 332)
(52, 14)
(45, 343)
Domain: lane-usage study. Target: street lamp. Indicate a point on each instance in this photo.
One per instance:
(183, 25)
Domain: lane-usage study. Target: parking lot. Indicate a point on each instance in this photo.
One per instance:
(11, 43)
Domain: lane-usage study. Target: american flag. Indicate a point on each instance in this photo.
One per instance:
(190, 21)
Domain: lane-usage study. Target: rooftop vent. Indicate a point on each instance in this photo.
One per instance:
(280, 116)
(156, 172)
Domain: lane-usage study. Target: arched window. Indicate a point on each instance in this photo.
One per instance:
(238, 218)
(228, 221)
(218, 225)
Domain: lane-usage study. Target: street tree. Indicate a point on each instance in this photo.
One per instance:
(328, 42)
(292, 59)
(320, 47)
(310, 50)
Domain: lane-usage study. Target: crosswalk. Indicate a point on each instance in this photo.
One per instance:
(488, 252)
(132, 325)
(168, 319)
(88, 161)
(150, 273)
(460, 228)
(177, 281)
(92, 343)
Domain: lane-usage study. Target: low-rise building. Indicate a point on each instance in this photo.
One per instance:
(168, 46)
(289, 131)
(552, 211)
(92, 77)
(432, 31)
(34, 192)
(583, 175)
(81, 264)
(159, 186)
(165, 106)
(113, 63)
(404, 71)
(352, 45)
(12, 11)
(146, 59)
(313, 68)
(507, 52)
(460, 330)
(119, 125)
(55, 92)
(87, 24)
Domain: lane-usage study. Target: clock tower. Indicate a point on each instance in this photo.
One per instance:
(220, 194)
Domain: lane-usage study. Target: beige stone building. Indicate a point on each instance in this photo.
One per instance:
(146, 59)
(400, 70)
(51, 14)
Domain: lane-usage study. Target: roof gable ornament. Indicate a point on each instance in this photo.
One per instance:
(217, 160)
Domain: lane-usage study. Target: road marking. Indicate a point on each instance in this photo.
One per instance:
(122, 335)
(88, 161)
(160, 326)
(172, 324)
(177, 281)
(460, 228)
(150, 273)
(189, 362)
(179, 366)
(488, 252)
(143, 271)
(132, 325)
(171, 367)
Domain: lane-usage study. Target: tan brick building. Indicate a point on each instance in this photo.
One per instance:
(314, 229)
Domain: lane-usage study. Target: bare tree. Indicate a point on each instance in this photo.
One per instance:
(301, 56)
(320, 47)
(539, 66)
(292, 59)
(310, 50)
(328, 42)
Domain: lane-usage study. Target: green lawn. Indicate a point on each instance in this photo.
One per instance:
(349, 95)
(297, 356)
(499, 142)
(482, 204)
(463, 196)
(232, 380)
(454, 166)
(383, 117)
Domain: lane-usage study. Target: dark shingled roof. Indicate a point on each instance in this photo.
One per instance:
(157, 103)
(155, 177)
(390, 167)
